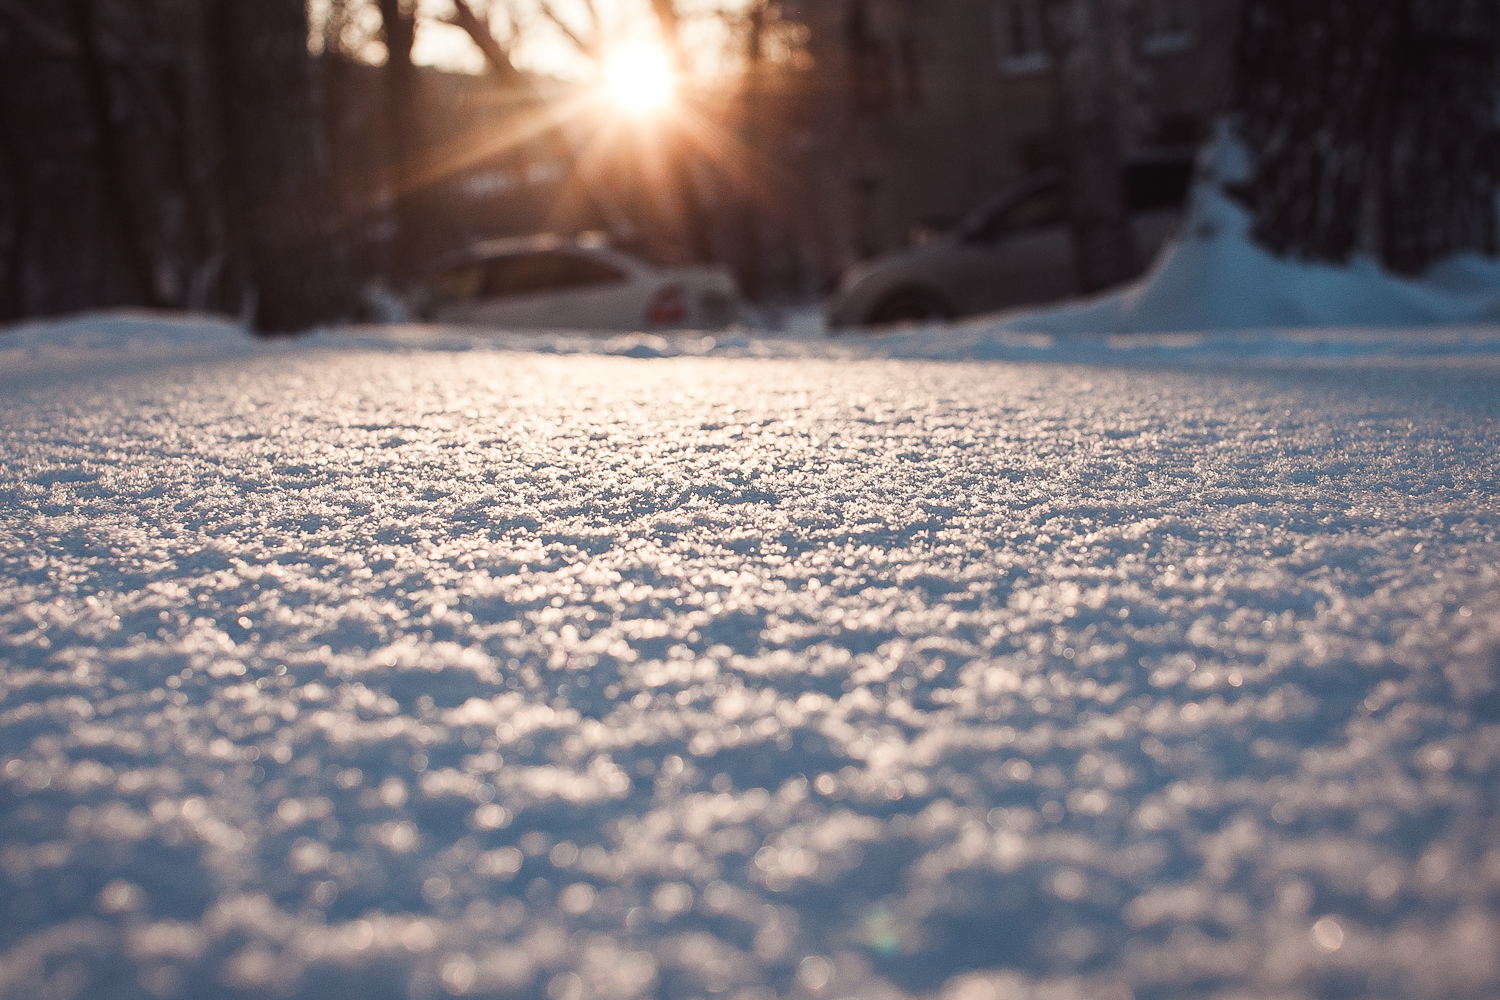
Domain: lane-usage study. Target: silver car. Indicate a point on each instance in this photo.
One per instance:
(550, 282)
(1016, 250)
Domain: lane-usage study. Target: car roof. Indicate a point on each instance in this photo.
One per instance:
(512, 246)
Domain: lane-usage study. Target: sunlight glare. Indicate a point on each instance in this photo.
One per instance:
(638, 77)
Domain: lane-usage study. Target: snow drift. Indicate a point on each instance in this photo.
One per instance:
(1215, 277)
(115, 341)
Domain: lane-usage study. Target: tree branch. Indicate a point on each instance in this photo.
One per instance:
(666, 13)
(598, 25)
(590, 49)
(671, 33)
(507, 75)
(494, 53)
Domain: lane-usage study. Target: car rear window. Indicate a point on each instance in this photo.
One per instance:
(546, 271)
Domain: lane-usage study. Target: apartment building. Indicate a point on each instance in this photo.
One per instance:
(925, 108)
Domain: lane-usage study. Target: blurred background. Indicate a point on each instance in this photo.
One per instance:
(306, 162)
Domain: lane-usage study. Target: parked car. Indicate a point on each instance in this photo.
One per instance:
(549, 282)
(1015, 250)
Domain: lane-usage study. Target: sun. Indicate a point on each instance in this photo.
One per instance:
(638, 78)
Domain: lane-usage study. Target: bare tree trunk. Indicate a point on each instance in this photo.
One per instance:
(751, 271)
(105, 149)
(400, 20)
(66, 244)
(1309, 91)
(279, 166)
(15, 216)
(202, 144)
(111, 162)
(496, 58)
(1437, 157)
(679, 167)
(1349, 104)
(1079, 33)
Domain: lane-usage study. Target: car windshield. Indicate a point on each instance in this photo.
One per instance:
(1150, 185)
(1041, 208)
(525, 274)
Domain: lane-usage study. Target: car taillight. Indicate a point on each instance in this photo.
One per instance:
(668, 305)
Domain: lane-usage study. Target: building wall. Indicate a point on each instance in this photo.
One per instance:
(930, 107)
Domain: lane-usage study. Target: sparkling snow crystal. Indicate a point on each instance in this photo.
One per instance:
(376, 672)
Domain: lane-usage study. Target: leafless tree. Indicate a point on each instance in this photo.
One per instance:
(280, 179)
(398, 20)
(481, 31)
(122, 208)
(166, 153)
(498, 59)
(105, 156)
(1373, 122)
(1081, 35)
(591, 38)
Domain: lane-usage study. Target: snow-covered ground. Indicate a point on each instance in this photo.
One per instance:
(414, 664)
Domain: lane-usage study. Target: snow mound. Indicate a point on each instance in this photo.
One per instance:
(1214, 277)
(677, 344)
(981, 341)
(115, 340)
(121, 343)
(1262, 348)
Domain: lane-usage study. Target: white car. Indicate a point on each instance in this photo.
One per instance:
(1016, 250)
(548, 282)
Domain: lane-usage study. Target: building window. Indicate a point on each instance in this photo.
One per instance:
(1168, 28)
(1019, 38)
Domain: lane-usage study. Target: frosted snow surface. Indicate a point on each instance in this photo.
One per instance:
(351, 669)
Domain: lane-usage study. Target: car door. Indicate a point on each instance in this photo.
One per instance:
(587, 292)
(549, 289)
(1020, 254)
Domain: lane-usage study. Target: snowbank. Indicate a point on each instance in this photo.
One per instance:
(984, 341)
(116, 340)
(119, 343)
(1214, 277)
